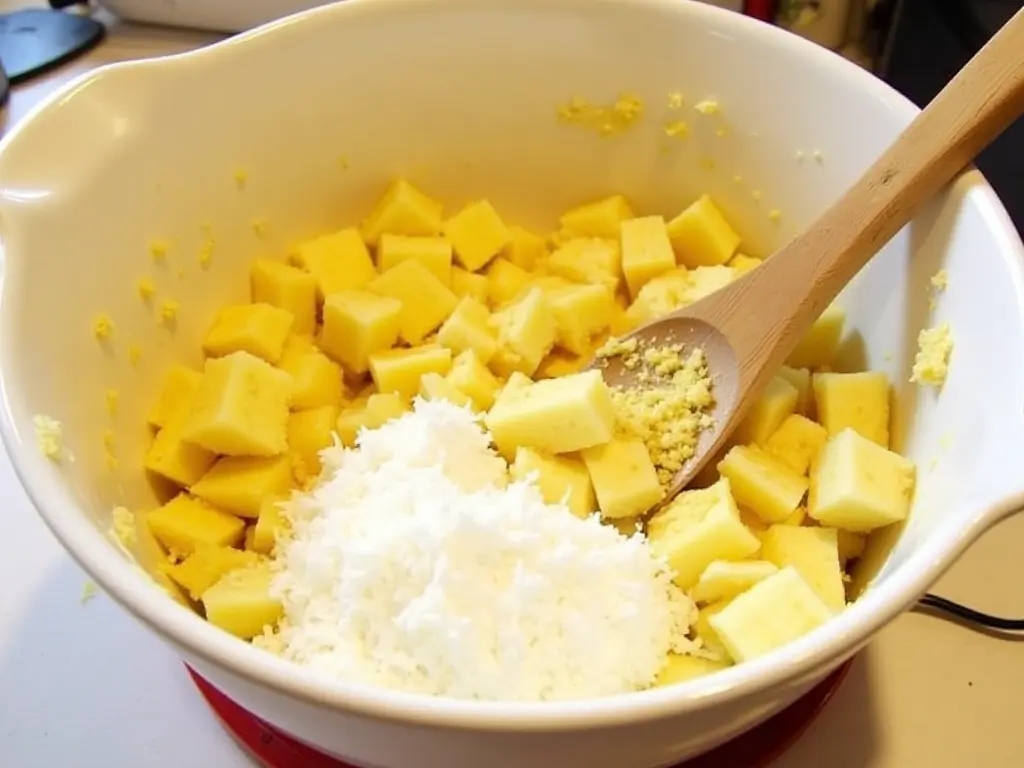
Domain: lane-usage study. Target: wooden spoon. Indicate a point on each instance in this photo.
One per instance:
(748, 328)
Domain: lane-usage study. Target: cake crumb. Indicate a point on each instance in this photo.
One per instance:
(607, 120)
(940, 280)
(146, 289)
(88, 592)
(931, 364)
(111, 400)
(49, 436)
(707, 107)
(775, 215)
(103, 327)
(343, 163)
(158, 250)
(241, 178)
(123, 527)
(721, 132)
(677, 130)
(134, 353)
(799, 155)
(818, 157)
(675, 100)
(206, 253)
(169, 311)
(260, 227)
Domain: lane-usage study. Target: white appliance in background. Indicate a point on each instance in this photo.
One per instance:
(239, 15)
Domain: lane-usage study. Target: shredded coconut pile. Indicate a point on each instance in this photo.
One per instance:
(415, 565)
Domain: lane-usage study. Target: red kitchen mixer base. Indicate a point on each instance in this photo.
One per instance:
(755, 749)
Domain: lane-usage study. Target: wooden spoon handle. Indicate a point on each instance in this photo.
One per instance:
(975, 107)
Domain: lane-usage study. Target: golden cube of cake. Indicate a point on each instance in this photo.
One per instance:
(624, 478)
(338, 262)
(238, 484)
(287, 288)
(399, 370)
(259, 329)
(434, 253)
(357, 324)
(477, 234)
(426, 301)
(403, 210)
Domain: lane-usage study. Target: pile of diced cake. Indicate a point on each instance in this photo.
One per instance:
(344, 332)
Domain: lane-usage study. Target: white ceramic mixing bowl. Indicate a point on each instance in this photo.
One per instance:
(460, 96)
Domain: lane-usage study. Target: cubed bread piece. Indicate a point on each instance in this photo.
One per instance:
(469, 327)
(679, 669)
(172, 457)
(238, 484)
(180, 385)
(477, 234)
(814, 552)
(588, 260)
(800, 378)
(526, 333)
(259, 329)
(859, 485)
(186, 522)
(287, 288)
(600, 218)
(561, 479)
(706, 634)
(240, 602)
(426, 301)
(762, 483)
(310, 432)
(723, 580)
(316, 380)
(797, 443)
(697, 528)
(434, 386)
(859, 401)
(581, 313)
(206, 565)
(505, 282)
(241, 407)
(434, 253)
(469, 375)
(646, 251)
(357, 324)
(469, 284)
(624, 478)
(555, 415)
(399, 370)
(338, 262)
(271, 525)
(819, 345)
(776, 402)
(403, 210)
(524, 248)
(701, 236)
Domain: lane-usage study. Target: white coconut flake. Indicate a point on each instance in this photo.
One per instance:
(414, 564)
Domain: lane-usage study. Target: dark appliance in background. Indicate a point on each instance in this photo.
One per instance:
(926, 43)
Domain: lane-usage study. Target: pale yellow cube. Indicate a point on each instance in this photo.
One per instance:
(581, 313)
(180, 385)
(469, 327)
(561, 479)
(505, 281)
(660, 296)
(765, 416)
(526, 333)
(762, 483)
(185, 522)
(600, 218)
(797, 443)
(705, 281)
(624, 478)
(399, 370)
(679, 669)
(555, 415)
(426, 301)
(206, 565)
(238, 484)
(701, 236)
(434, 253)
(800, 378)
(240, 602)
(743, 264)
(241, 407)
(377, 411)
(357, 324)
(338, 262)
(814, 553)
(287, 288)
(403, 210)
(696, 529)
(259, 329)
(524, 248)
(477, 234)
(469, 284)
(723, 580)
(858, 401)
(859, 485)
(818, 347)
(171, 457)
(769, 615)
(706, 634)
(316, 380)
(470, 376)
(310, 432)
(434, 386)
(270, 526)
(646, 251)
(588, 260)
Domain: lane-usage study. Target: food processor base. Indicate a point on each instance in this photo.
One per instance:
(756, 748)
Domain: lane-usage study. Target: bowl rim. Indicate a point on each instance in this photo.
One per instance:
(796, 664)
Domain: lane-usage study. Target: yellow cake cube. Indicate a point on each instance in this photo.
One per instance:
(316, 380)
(469, 327)
(588, 260)
(477, 234)
(624, 478)
(555, 415)
(357, 324)
(287, 288)
(399, 370)
(310, 432)
(526, 333)
(338, 262)
(743, 264)
(704, 632)
(819, 345)
(470, 376)
(859, 485)
(762, 483)
(240, 602)
(696, 529)
(581, 313)
(171, 457)
(434, 386)
(206, 565)
(241, 407)
(765, 416)
(679, 669)
(238, 484)
(814, 553)
(859, 401)
(800, 379)
(270, 525)
(797, 443)
(600, 218)
(469, 284)
(646, 251)
(701, 236)
(723, 580)
(259, 329)
(180, 385)
(426, 301)
(434, 253)
(561, 479)
(560, 363)
(524, 248)
(186, 522)
(403, 210)
(505, 281)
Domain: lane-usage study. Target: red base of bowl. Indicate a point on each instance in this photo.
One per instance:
(756, 748)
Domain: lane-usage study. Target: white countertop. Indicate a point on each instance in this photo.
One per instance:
(84, 685)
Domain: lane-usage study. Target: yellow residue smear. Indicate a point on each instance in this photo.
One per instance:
(669, 406)
(134, 353)
(931, 364)
(111, 400)
(607, 120)
(49, 436)
(206, 253)
(123, 526)
(259, 228)
(109, 454)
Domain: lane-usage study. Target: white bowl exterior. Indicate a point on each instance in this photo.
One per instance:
(461, 98)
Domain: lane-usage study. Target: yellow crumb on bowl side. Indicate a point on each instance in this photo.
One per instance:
(241, 177)
(158, 249)
(169, 311)
(931, 364)
(134, 353)
(708, 107)
(111, 401)
(146, 288)
(49, 436)
(940, 280)
(607, 120)
(103, 327)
